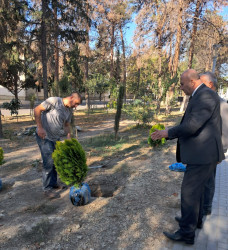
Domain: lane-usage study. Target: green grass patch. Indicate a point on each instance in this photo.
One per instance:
(103, 145)
(103, 141)
(106, 145)
(97, 111)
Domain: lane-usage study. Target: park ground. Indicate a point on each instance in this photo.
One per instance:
(135, 196)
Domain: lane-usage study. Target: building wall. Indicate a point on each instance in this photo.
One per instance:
(6, 95)
(23, 94)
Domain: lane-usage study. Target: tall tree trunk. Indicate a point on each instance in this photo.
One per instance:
(87, 97)
(1, 132)
(178, 39)
(118, 110)
(124, 64)
(194, 30)
(160, 89)
(209, 57)
(56, 48)
(16, 78)
(44, 47)
(112, 49)
(170, 92)
(138, 83)
(184, 103)
(170, 54)
(86, 74)
(192, 44)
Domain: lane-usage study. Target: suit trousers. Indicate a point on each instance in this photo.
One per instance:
(192, 189)
(209, 191)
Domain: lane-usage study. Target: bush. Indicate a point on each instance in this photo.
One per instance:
(157, 142)
(32, 99)
(139, 111)
(1, 156)
(14, 105)
(70, 162)
(112, 104)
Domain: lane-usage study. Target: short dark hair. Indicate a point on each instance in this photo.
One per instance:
(77, 95)
(212, 78)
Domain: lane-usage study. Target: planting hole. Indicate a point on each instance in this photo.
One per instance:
(101, 190)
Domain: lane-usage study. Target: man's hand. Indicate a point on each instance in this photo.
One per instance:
(41, 132)
(159, 134)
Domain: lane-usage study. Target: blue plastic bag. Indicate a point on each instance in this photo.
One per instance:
(0, 184)
(179, 167)
(80, 196)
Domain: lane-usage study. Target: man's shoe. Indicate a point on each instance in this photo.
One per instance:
(51, 195)
(60, 186)
(177, 236)
(199, 224)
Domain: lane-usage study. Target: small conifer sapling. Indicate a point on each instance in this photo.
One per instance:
(70, 162)
(157, 142)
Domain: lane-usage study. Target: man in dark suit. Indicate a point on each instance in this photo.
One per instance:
(199, 146)
(209, 79)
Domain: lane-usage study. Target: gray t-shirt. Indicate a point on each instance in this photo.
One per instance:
(54, 117)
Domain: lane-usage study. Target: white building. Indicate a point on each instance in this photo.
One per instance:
(23, 95)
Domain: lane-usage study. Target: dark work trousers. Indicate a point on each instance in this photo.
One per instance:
(47, 147)
(209, 191)
(192, 190)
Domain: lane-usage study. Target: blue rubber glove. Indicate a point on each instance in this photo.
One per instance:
(179, 167)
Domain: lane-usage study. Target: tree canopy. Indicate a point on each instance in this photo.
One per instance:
(70, 45)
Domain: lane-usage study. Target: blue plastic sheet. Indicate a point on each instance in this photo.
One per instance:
(80, 196)
(178, 167)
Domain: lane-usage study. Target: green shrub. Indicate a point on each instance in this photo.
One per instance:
(32, 99)
(14, 105)
(139, 111)
(112, 104)
(1, 156)
(70, 162)
(157, 142)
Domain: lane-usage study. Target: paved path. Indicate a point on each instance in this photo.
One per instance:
(214, 235)
(26, 111)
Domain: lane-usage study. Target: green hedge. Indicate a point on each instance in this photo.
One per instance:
(70, 162)
(157, 142)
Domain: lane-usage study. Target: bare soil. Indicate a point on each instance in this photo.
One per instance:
(135, 196)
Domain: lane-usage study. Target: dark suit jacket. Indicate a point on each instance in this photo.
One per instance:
(199, 133)
(224, 115)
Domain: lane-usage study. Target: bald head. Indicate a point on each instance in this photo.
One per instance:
(190, 80)
(191, 74)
